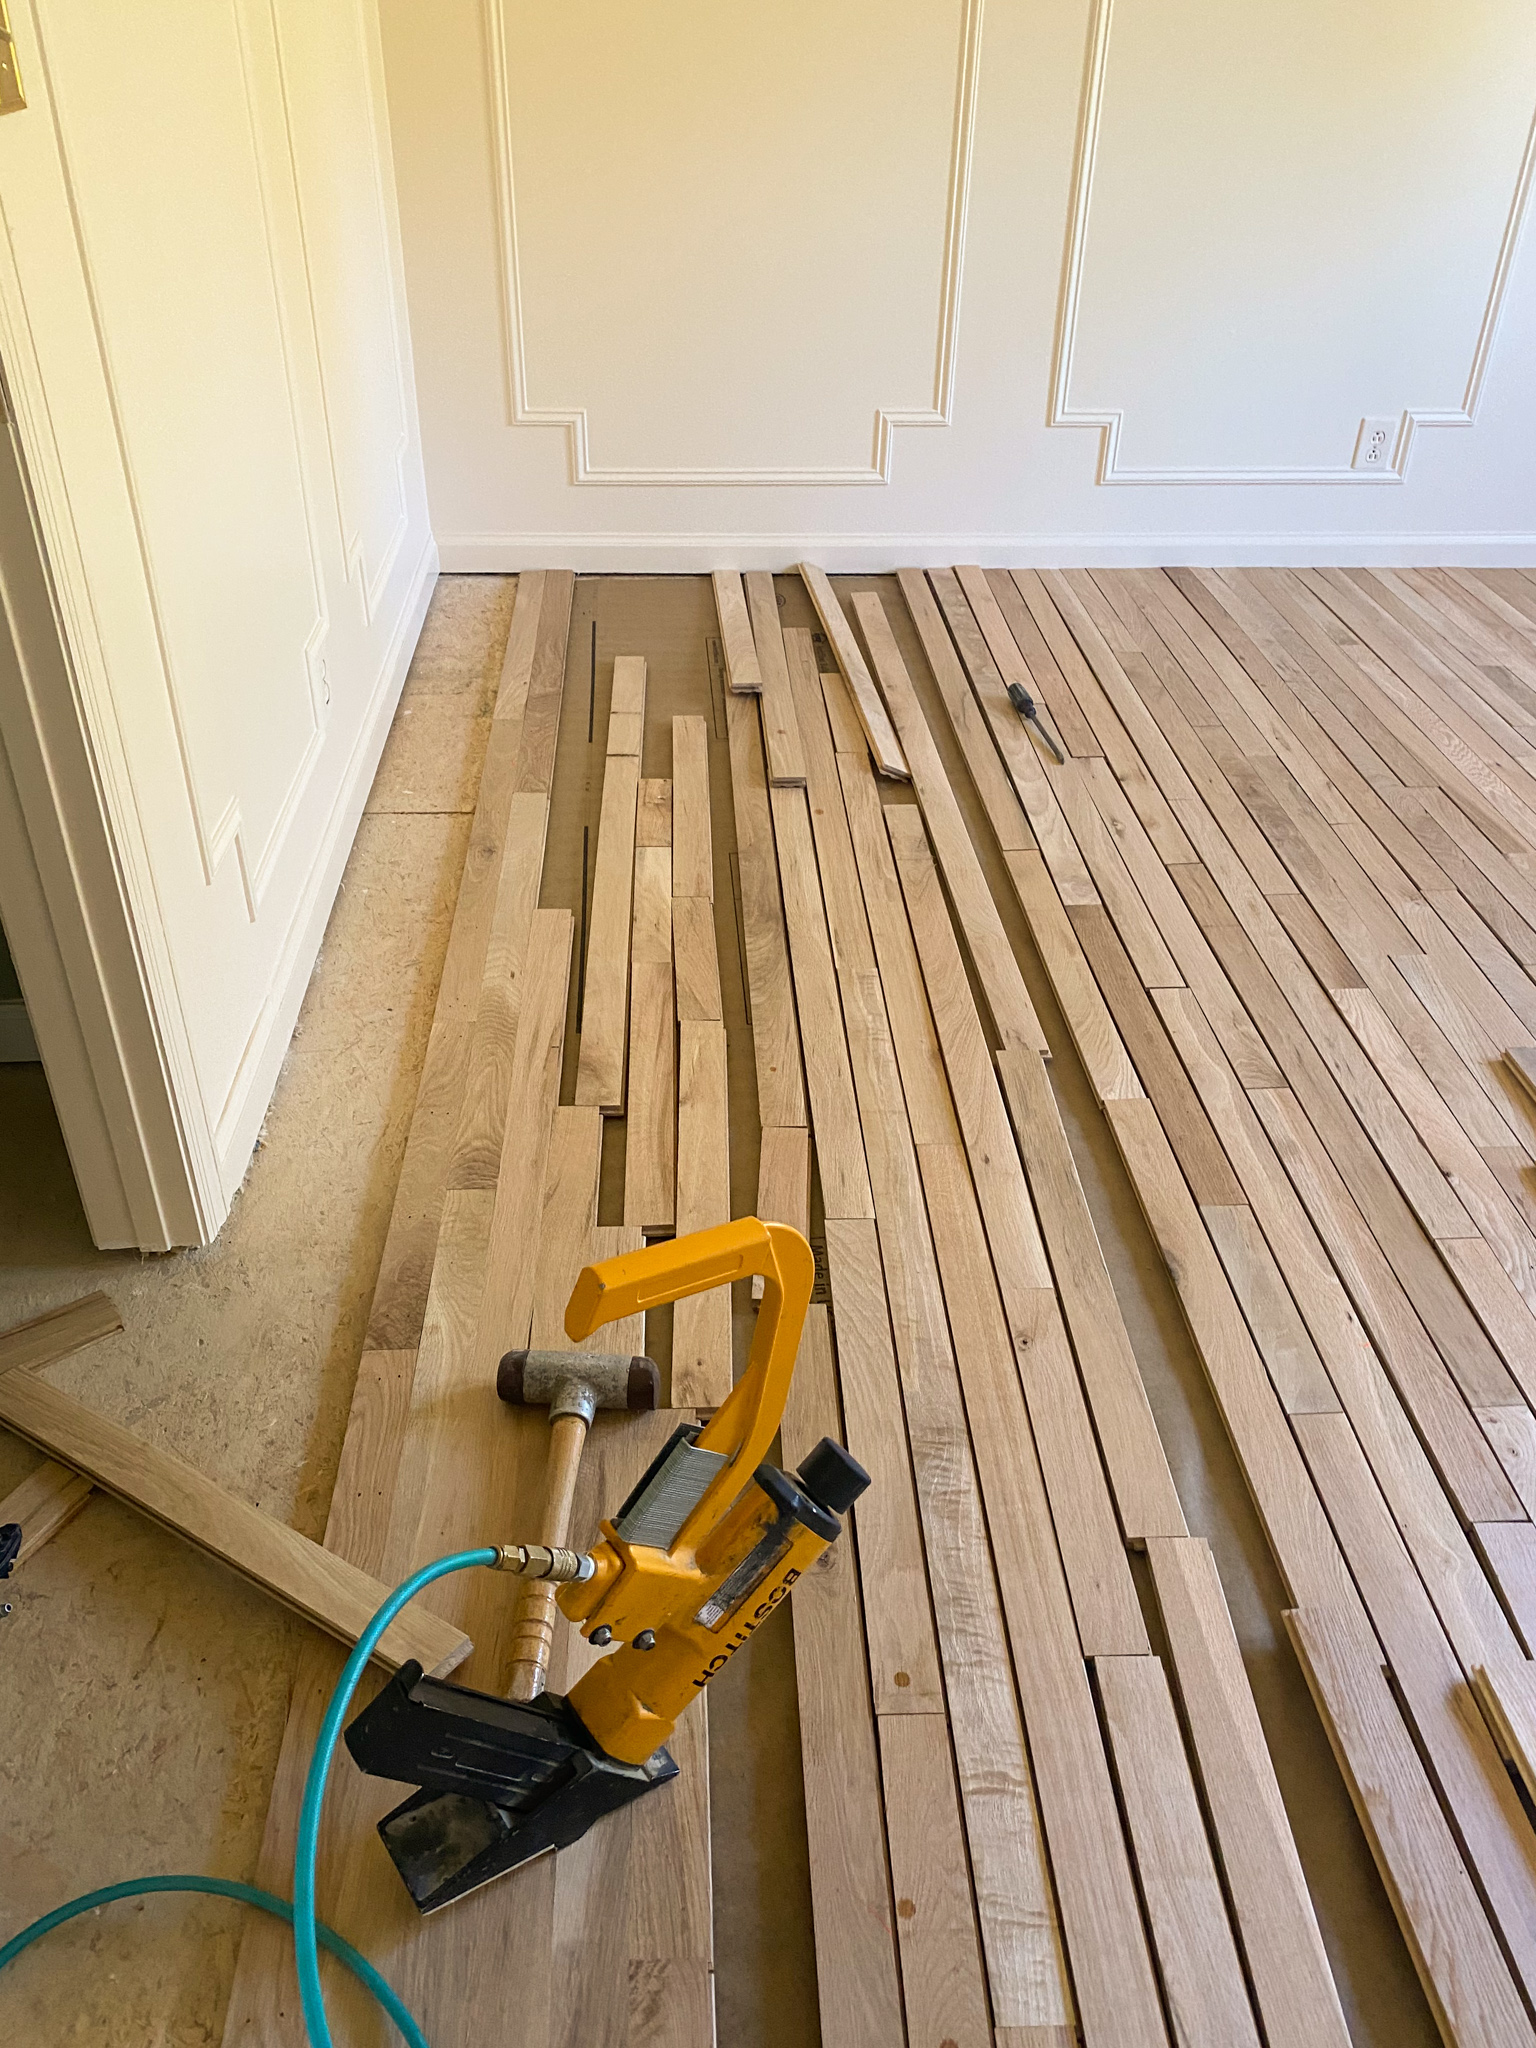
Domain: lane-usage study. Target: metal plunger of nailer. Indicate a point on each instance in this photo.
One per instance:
(708, 1544)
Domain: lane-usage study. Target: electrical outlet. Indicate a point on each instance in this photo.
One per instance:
(1376, 445)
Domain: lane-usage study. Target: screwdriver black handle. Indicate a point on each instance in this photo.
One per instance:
(1024, 704)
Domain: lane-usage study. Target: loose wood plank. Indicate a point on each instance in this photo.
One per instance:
(693, 860)
(857, 1974)
(1196, 1952)
(650, 1135)
(903, 1657)
(653, 817)
(783, 1182)
(1509, 1551)
(781, 1095)
(781, 735)
(45, 1502)
(316, 1583)
(1276, 1925)
(1143, 1487)
(941, 1973)
(701, 1325)
(835, 1114)
(58, 1332)
(1454, 1949)
(998, 971)
(605, 1012)
(883, 744)
(741, 663)
(696, 960)
(1432, 1687)
(999, 799)
(477, 1146)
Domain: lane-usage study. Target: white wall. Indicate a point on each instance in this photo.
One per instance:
(910, 279)
(204, 335)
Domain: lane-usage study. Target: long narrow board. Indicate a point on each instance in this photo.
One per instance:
(883, 744)
(314, 1582)
(741, 663)
(650, 1141)
(781, 735)
(701, 1325)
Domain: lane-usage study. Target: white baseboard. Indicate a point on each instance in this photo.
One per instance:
(865, 553)
(240, 1122)
(17, 1045)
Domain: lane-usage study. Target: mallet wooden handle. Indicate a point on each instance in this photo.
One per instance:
(533, 1622)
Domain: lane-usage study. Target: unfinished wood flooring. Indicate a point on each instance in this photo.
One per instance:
(1284, 889)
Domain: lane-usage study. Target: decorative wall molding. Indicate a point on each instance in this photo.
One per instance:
(583, 470)
(1109, 422)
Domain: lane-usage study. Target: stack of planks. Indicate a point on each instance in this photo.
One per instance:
(1007, 1835)
(496, 1212)
(1281, 890)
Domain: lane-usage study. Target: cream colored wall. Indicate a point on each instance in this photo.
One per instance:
(1076, 279)
(205, 338)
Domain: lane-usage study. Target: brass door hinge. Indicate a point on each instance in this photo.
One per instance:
(12, 98)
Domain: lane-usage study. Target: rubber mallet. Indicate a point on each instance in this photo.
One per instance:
(572, 1385)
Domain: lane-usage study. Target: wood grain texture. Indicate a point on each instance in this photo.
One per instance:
(507, 1309)
(58, 1332)
(1002, 984)
(781, 1097)
(605, 1011)
(1100, 1918)
(701, 1325)
(405, 1268)
(1509, 1551)
(1299, 1376)
(1454, 1949)
(696, 960)
(314, 1582)
(903, 1654)
(781, 735)
(567, 1219)
(1292, 1983)
(1196, 1952)
(942, 1980)
(482, 1119)
(653, 815)
(650, 1125)
(1432, 1688)
(1109, 1066)
(834, 1108)
(1005, 814)
(1144, 1492)
(626, 706)
(693, 861)
(783, 1182)
(45, 1502)
(883, 744)
(857, 1973)
(540, 726)
(741, 662)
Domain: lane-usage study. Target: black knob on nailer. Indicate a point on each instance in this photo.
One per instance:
(832, 1478)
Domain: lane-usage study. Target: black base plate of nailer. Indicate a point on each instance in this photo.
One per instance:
(501, 1781)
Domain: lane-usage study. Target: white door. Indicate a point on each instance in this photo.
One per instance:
(215, 554)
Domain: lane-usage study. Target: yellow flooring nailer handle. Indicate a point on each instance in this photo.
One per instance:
(713, 1537)
(748, 1420)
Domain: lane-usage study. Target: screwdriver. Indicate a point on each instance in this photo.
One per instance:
(1024, 704)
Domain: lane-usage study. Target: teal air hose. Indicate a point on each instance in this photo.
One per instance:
(305, 1929)
(225, 1888)
(308, 1932)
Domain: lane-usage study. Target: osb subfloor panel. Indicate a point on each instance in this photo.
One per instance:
(143, 1690)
